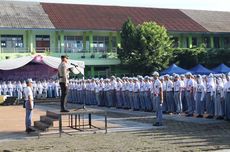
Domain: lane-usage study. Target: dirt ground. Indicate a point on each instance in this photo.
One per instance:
(175, 136)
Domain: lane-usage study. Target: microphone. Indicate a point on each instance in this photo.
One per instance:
(74, 64)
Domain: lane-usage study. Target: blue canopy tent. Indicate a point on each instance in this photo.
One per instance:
(222, 68)
(174, 69)
(200, 69)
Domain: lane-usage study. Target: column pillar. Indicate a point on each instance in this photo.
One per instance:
(110, 42)
(91, 41)
(118, 39)
(92, 71)
(211, 41)
(84, 41)
(31, 41)
(62, 41)
(190, 41)
(181, 41)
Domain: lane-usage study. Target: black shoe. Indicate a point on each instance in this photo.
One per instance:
(64, 110)
(209, 117)
(199, 116)
(158, 124)
(189, 115)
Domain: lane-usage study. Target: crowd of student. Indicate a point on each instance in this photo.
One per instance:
(41, 89)
(196, 95)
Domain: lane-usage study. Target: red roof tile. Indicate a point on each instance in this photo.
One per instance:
(94, 17)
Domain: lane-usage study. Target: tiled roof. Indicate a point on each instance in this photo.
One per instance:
(23, 15)
(91, 17)
(213, 21)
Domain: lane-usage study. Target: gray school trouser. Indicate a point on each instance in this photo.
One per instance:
(159, 114)
(170, 101)
(178, 102)
(209, 104)
(227, 106)
(199, 104)
(218, 105)
(189, 100)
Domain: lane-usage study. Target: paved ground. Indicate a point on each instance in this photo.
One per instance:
(133, 132)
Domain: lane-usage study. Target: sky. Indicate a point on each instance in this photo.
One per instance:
(218, 5)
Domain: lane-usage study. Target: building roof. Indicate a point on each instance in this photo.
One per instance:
(36, 15)
(213, 21)
(23, 15)
(95, 17)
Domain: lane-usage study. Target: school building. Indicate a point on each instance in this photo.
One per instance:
(91, 33)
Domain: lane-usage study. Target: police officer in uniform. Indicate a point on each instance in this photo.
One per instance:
(63, 74)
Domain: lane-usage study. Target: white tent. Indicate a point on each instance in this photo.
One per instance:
(11, 64)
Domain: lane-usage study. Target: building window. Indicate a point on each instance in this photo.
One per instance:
(175, 42)
(73, 44)
(42, 43)
(226, 42)
(216, 42)
(12, 41)
(207, 42)
(186, 42)
(194, 42)
(100, 43)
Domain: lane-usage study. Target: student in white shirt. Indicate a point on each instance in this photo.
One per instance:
(177, 94)
(200, 94)
(29, 104)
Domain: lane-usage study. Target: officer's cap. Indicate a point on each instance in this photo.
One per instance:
(155, 73)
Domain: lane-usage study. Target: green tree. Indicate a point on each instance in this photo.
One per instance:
(128, 39)
(146, 49)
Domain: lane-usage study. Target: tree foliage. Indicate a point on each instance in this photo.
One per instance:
(145, 47)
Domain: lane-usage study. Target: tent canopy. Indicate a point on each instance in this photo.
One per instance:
(222, 68)
(200, 69)
(174, 69)
(52, 62)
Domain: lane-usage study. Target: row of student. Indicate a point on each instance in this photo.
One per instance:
(195, 95)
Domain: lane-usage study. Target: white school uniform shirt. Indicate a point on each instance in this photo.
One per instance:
(136, 87)
(123, 88)
(210, 88)
(113, 85)
(19, 87)
(10, 87)
(227, 86)
(220, 89)
(93, 86)
(127, 86)
(147, 86)
(107, 86)
(101, 86)
(201, 89)
(97, 88)
(40, 88)
(28, 92)
(157, 85)
(169, 85)
(142, 86)
(178, 85)
(118, 86)
(189, 84)
(130, 87)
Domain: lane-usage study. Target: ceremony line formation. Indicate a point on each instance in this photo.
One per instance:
(195, 95)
